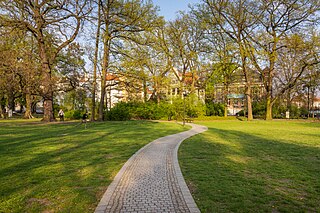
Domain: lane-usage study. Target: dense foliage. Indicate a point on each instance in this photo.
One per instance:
(266, 51)
(154, 111)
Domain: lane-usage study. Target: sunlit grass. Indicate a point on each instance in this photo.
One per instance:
(64, 167)
(254, 166)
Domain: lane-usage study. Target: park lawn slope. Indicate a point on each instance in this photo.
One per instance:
(64, 167)
(254, 166)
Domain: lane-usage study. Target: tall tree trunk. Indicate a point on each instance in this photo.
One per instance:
(272, 61)
(28, 112)
(104, 75)
(105, 11)
(268, 107)
(47, 90)
(269, 101)
(95, 65)
(249, 102)
(225, 113)
(108, 96)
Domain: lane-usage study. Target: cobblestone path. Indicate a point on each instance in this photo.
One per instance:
(151, 180)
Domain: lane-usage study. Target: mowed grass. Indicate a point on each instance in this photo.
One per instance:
(254, 166)
(64, 167)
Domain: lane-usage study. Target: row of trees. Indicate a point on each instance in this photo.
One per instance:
(273, 42)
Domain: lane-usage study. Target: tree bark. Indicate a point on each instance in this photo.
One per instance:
(249, 102)
(268, 107)
(269, 104)
(104, 75)
(272, 61)
(95, 64)
(47, 90)
(28, 112)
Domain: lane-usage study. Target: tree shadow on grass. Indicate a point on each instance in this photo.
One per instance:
(239, 172)
(57, 162)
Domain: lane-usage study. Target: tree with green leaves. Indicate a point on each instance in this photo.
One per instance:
(95, 61)
(234, 20)
(296, 69)
(277, 20)
(54, 25)
(19, 66)
(121, 21)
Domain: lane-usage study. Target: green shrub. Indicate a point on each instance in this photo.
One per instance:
(153, 111)
(120, 112)
(190, 105)
(214, 109)
(136, 110)
(303, 112)
(240, 113)
(278, 110)
(73, 114)
(195, 107)
(259, 109)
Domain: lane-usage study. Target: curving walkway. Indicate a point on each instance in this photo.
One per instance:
(151, 180)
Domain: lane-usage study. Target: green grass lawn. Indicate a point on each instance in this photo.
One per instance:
(64, 167)
(254, 166)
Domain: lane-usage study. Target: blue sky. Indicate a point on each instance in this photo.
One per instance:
(168, 8)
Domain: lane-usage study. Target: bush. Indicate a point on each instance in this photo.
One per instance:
(240, 113)
(303, 112)
(214, 109)
(73, 114)
(120, 112)
(191, 105)
(195, 107)
(136, 110)
(147, 111)
(153, 111)
(278, 110)
(259, 109)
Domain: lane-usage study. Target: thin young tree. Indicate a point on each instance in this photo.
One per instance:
(95, 61)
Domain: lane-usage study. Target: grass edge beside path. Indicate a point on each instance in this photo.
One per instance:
(254, 166)
(63, 167)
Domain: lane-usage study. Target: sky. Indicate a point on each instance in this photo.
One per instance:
(169, 8)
